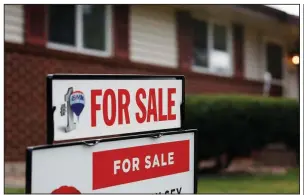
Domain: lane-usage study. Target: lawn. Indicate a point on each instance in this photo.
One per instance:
(240, 184)
(14, 191)
(288, 183)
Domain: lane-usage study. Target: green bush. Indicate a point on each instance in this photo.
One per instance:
(239, 124)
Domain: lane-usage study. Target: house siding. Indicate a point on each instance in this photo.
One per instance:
(255, 61)
(14, 23)
(254, 69)
(291, 85)
(153, 35)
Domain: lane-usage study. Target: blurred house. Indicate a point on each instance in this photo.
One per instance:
(219, 49)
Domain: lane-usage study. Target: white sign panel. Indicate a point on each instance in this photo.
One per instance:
(88, 106)
(137, 164)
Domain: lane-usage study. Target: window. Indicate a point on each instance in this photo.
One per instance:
(62, 24)
(82, 28)
(219, 38)
(274, 54)
(211, 47)
(94, 35)
(201, 43)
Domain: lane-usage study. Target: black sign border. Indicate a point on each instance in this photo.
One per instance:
(49, 94)
(29, 151)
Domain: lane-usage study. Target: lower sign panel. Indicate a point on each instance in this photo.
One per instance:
(139, 164)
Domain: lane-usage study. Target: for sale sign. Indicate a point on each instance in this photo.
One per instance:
(137, 164)
(87, 106)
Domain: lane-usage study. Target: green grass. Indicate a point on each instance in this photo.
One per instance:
(288, 183)
(14, 191)
(239, 184)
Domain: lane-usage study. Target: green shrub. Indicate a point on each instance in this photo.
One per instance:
(239, 124)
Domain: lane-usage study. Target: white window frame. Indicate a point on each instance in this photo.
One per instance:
(78, 47)
(266, 40)
(210, 25)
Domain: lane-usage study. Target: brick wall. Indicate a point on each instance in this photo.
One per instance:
(26, 68)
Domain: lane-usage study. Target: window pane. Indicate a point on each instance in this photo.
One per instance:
(274, 60)
(200, 43)
(200, 57)
(62, 24)
(219, 38)
(94, 26)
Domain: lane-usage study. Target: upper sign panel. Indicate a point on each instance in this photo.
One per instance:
(88, 106)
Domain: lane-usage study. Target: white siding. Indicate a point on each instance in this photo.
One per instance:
(14, 23)
(291, 88)
(153, 35)
(253, 61)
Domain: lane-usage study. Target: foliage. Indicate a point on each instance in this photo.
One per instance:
(239, 124)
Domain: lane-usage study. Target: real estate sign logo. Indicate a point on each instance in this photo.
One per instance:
(75, 103)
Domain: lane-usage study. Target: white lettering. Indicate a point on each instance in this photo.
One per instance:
(171, 158)
(156, 161)
(148, 163)
(126, 165)
(135, 164)
(116, 166)
(163, 162)
(159, 160)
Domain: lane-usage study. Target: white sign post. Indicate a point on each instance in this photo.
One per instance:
(132, 164)
(90, 106)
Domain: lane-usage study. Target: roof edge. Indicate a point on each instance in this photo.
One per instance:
(272, 12)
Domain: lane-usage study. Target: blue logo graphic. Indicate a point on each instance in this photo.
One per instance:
(77, 102)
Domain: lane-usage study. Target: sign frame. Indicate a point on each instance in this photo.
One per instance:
(51, 109)
(29, 151)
